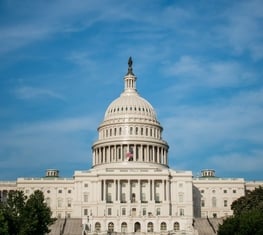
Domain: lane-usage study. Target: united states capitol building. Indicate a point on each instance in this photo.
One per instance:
(130, 188)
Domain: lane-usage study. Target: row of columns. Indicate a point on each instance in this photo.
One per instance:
(141, 153)
(142, 186)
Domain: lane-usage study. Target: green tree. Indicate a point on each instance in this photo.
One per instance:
(22, 216)
(12, 209)
(3, 224)
(247, 216)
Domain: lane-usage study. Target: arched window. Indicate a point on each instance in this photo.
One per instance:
(124, 227)
(110, 227)
(97, 227)
(176, 226)
(150, 227)
(163, 226)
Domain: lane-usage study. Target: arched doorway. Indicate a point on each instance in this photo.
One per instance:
(137, 227)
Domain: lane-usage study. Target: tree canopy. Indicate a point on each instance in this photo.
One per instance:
(20, 215)
(247, 215)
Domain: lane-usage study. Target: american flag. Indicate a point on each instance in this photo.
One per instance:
(129, 155)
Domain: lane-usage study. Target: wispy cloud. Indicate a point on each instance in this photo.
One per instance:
(202, 72)
(47, 144)
(243, 29)
(27, 93)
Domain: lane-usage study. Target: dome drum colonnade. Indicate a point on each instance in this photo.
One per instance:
(130, 130)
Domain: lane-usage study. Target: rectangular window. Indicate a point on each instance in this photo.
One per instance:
(144, 211)
(109, 197)
(234, 191)
(202, 203)
(59, 203)
(225, 191)
(158, 211)
(85, 212)
(69, 203)
(86, 197)
(123, 197)
(109, 211)
(181, 212)
(157, 197)
(123, 211)
(225, 203)
(143, 197)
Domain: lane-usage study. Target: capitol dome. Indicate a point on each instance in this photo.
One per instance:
(130, 130)
(130, 104)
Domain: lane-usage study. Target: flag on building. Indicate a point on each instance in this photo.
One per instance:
(129, 155)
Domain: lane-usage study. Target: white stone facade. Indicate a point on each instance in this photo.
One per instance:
(130, 187)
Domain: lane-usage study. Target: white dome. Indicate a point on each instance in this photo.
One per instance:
(130, 105)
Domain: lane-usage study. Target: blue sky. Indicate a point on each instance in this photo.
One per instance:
(199, 63)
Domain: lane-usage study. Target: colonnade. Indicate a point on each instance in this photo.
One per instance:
(133, 152)
(135, 191)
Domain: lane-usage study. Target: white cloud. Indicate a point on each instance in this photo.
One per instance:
(243, 30)
(202, 72)
(238, 162)
(27, 92)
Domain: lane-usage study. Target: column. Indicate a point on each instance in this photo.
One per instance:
(105, 190)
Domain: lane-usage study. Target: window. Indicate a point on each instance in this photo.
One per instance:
(124, 227)
(234, 191)
(69, 191)
(176, 226)
(123, 211)
(60, 202)
(225, 191)
(181, 212)
(133, 211)
(86, 197)
(69, 203)
(97, 227)
(157, 197)
(123, 197)
(60, 191)
(109, 211)
(109, 197)
(150, 227)
(225, 203)
(85, 212)
(163, 226)
(214, 215)
(202, 191)
(202, 203)
(144, 211)
(86, 185)
(158, 211)
(213, 191)
(27, 191)
(110, 227)
(213, 201)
